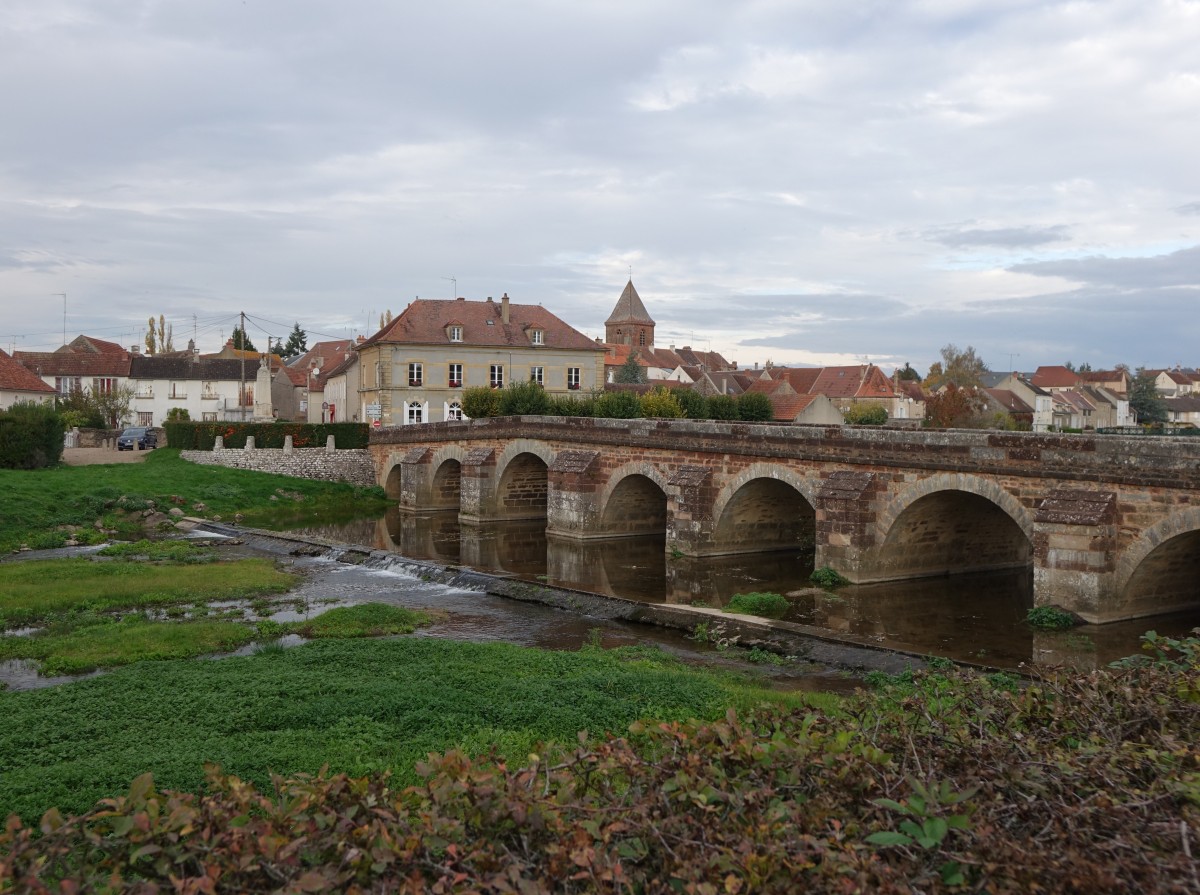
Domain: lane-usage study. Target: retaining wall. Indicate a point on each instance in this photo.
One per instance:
(353, 466)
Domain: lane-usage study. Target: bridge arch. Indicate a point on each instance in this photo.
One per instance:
(391, 478)
(764, 507)
(634, 501)
(522, 479)
(445, 480)
(1160, 571)
(951, 523)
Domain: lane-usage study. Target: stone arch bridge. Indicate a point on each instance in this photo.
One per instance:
(1110, 525)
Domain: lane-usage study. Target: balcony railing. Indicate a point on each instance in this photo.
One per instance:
(145, 393)
(177, 396)
(209, 396)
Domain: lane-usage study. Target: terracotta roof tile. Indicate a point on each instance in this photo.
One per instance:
(424, 322)
(74, 363)
(16, 378)
(1055, 377)
(1008, 400)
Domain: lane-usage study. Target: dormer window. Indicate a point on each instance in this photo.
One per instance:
(454, 331)
(537, 337)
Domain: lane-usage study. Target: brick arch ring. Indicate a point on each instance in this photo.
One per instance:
(393, 462)
(623, 472)
(1153, 537)
(804, 485)
(448, 452)
(522, 446)
(969, 484)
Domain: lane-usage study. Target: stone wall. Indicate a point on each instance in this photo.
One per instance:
(352, 466)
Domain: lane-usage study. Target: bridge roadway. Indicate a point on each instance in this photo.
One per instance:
(1110, 524)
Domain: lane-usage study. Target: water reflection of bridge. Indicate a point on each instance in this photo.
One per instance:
(1109, 526)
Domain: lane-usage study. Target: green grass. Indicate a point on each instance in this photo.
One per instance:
(33, 591)
(112, 643)
(356, 705)
(765, 605)
(184, 552)
(38, 502)
(362, 620)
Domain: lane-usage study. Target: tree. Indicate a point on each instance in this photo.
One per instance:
(630, 372)
(384, 319)
(964, 369)
(480, 402)
(953, 407)
(178, 415)
(1145, 401)
(241, 341)
(693, 404)
(160, 337)
(722, 407)
(523, 399)
(297, 343)
(908, 374)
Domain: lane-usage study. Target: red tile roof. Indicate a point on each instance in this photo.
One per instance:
(788, 407)
(863, 381)
(424, 322)
(96, 346)
(800, 378)
(74, 363)
(325, 355)
(1008, 400)
(15, 378)
(1055, 377)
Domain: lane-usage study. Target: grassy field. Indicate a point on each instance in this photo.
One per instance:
(352, 704)
(39, 503)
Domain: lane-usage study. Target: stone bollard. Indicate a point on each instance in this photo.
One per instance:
(330, 445)
(287, 444)
(219, 443)
(249, 442)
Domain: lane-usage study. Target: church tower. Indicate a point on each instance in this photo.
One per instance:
(629, 324)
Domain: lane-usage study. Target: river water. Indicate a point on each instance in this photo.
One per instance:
(976, 618)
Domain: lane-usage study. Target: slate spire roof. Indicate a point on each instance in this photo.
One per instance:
(629, 309)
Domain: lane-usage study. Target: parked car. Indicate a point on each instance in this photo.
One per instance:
(137, 438)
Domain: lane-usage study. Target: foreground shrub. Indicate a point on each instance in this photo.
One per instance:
(523, 399)
(31, 436)
(942, 783)
(481, 402)
(866, 415)
(767, 605)
(694, 404)
(618, 406)
(754, 407)
(661, 404)
(722, 407)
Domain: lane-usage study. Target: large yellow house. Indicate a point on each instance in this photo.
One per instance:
(415, 369)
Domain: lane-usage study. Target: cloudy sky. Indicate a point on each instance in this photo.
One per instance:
(804, 181)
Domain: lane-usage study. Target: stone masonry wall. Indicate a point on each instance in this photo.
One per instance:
(352, 466)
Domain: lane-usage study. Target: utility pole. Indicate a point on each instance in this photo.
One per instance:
(242, 378)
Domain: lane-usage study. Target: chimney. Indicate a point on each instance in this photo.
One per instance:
(135, 349)
(504, 308)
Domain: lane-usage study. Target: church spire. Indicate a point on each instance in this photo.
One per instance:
(630, 323)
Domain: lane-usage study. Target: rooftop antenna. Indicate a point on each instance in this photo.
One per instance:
(64, 298)
(453, 280)
(1011, 355)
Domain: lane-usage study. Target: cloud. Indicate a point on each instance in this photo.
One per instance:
(1180, 268)
(1002, 237)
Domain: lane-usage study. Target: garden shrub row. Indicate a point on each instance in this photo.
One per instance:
(943, 782)
(529, 398)
(202, 436)
(31, 436)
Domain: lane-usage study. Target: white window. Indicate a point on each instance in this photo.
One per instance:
(145, 419)
(415, 374)
(103, 386)
(572, 377)
(454, 376)
(67, 384)
(536, 337)
(456, 334)
(208, 391)
(416, 412)
(497, 376)
(454, 411)
(535, 375)
(178, 390)
(208, 417)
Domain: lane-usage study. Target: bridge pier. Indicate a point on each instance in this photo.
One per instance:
(1074, 550)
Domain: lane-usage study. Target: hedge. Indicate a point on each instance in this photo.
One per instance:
(31, 436)
(202, 436)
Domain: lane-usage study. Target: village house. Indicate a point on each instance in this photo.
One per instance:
(850, 385)
(1022, 388)
(416, 368)
(209, 389)
(20, 385)
(85, 364)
